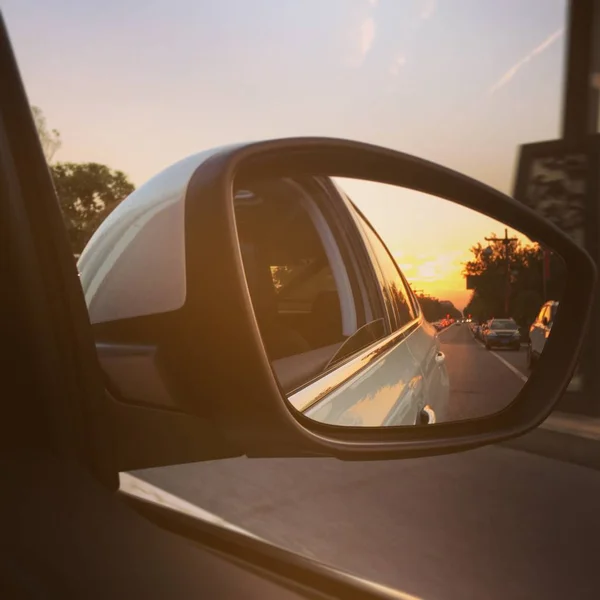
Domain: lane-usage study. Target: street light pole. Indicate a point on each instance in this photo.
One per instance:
(506, 241)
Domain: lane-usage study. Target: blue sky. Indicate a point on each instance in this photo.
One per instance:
(139, 84)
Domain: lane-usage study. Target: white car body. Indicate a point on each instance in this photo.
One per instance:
(143, 241)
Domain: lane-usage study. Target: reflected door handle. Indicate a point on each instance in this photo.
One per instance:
(440, 357)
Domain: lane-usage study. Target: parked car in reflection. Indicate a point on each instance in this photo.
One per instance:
(539, 331)
(502, 333)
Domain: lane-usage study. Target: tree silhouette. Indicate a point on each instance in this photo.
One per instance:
(527, 291)
(49, 138)
(87, 193)
(435, 309)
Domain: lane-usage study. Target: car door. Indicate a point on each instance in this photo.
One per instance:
(421, 358)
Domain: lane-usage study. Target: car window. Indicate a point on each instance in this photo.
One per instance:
(399, 301)
(302, 289)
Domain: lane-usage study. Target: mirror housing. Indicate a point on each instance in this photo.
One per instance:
(209, 364)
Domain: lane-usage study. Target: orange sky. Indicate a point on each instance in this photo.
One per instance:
(439, 80)
(429, 237)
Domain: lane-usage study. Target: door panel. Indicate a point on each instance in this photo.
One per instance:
(388, 392)
(426, 350)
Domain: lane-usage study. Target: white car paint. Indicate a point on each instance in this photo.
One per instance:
(139, 245)
(134, 265)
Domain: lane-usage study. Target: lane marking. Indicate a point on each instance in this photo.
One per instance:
(510, 367)
(583, 427)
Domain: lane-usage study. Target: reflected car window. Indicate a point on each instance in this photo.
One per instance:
(503, 324)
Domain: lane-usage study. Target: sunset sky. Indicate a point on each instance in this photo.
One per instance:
(431, 237)
(139, 84)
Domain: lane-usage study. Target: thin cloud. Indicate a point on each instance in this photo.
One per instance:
(367, 35)
(428, 8)
(363, 41)
(361, 34)
(397, 65)
(515, 68)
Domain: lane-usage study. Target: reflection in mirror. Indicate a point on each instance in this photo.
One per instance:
(380, 305)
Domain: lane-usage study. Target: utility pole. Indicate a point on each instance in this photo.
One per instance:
(506, 241)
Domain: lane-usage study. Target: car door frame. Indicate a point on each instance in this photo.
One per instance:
(52, 310)
(424, 365)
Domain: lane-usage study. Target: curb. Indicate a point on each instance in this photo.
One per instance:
(568, 438)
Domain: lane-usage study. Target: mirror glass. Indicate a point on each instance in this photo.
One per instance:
(382, 306)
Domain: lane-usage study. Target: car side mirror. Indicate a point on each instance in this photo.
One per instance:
(244, 287)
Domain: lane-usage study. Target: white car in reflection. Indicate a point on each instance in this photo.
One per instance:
(345, 335)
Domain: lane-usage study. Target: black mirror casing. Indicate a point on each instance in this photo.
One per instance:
(249, 404)
(224, 399)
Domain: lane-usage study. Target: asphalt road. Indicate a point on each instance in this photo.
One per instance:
(490, 524)
(481, 381)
